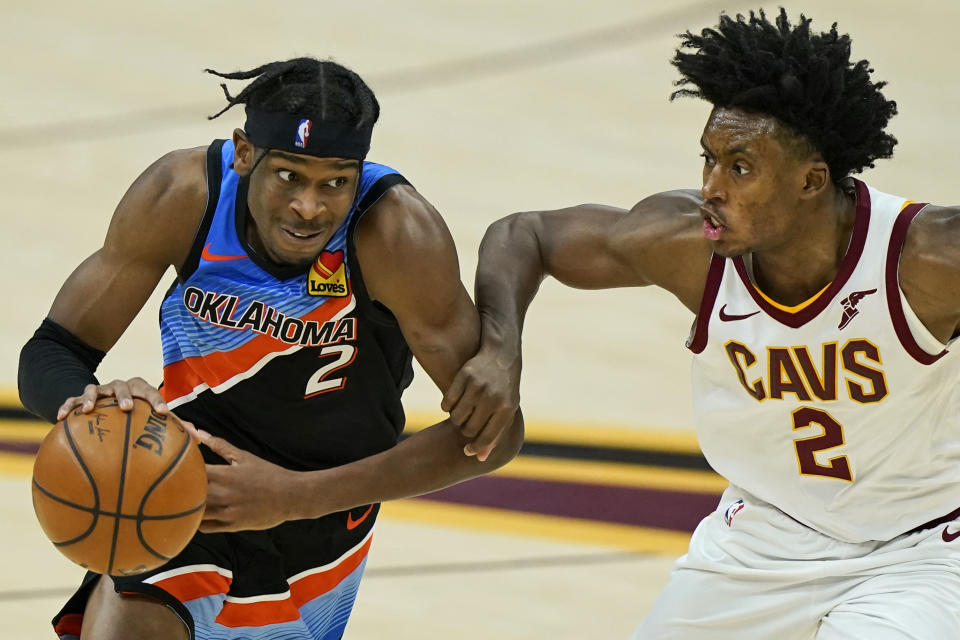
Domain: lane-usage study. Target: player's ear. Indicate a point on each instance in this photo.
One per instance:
(816, 179)
(242, 153)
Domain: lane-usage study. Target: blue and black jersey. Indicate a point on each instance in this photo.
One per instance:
(301, 368)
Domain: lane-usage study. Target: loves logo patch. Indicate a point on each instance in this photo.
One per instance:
(328, 276)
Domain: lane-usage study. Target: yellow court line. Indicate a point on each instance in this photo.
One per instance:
(639, 539)
(579, 433)
(528, 467)
(23, 430)
(676, 441)
(9, 398)
(16, 464)
(613, 473)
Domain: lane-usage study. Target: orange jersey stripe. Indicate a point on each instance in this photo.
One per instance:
(180, 378)
(69, 625)
(198, 584)
(302, 591)
(314, 585)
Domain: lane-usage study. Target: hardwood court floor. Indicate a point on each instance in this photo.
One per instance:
(422, 581)
(524, 552)
(488, 107)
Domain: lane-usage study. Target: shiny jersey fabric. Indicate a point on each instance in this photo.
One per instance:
(300, 368)
(843, 412)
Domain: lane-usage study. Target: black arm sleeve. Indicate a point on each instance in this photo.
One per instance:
(54, 365)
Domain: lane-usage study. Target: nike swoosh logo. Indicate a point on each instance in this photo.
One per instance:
(353, 524)
(726, 317)
(213, 257)
(949, 537)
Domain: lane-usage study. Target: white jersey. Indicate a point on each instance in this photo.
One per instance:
(843, 412)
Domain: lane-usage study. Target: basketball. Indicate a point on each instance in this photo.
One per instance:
(119, 492)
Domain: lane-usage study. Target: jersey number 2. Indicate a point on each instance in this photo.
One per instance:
(831, 437)
(318, 382)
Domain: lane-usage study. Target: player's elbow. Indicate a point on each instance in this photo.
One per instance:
(28, 383)
(520, 223)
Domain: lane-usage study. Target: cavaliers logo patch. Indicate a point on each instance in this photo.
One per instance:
(328, 276)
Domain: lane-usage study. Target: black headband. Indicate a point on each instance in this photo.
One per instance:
(297, 134)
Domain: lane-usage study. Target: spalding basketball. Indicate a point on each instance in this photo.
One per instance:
(119, 492)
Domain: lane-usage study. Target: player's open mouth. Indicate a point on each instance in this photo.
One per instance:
(298, 236)
(712, 225)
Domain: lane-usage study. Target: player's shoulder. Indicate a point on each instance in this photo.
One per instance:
(673, 215)
(172, 184)
(180, 173)
(929, 268)
(662, 237)
(680, 206)
(402, 218)
(159, 213)
(934, 235)
(403, 242)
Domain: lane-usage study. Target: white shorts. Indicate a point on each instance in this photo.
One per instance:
(765, 576)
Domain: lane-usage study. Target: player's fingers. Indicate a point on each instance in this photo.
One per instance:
(217, 493)
(89, 397)
(486, 441)
(213, 525)
(456, 389)
(68, 405)
(123, 394)
(190, 428)
(485, 452)
(478, 419)
(143, 389)
(465, 406)
(220, 447)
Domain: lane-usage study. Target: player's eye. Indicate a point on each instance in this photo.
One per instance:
(707, 160)
(286, 175)
(336, 183)
(741, 169)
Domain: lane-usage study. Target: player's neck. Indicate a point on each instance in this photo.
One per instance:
(797, 270)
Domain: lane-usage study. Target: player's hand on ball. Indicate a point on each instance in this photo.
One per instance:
(246, 493)
(483, 399)
(123, 390)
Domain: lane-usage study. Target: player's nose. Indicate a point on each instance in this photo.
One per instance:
(713, 187)
(308, 207)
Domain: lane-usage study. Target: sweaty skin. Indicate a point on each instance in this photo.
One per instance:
(765, 195)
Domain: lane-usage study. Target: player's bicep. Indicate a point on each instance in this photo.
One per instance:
(410, 265)
(103, 295)
(582, 246)
(151, 229)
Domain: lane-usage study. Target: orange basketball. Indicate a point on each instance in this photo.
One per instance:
(119, 492)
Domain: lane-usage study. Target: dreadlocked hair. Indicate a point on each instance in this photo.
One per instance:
(321, 89)
(805, 80)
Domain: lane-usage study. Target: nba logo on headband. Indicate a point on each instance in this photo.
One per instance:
(303, 132)
(295, 133)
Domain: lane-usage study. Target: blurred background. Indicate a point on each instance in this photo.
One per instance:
(487, 107)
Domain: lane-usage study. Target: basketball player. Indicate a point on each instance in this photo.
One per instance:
(824, 386)
(306, 276)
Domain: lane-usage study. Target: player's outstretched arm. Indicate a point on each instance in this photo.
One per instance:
(151, 229)
(589, 247)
